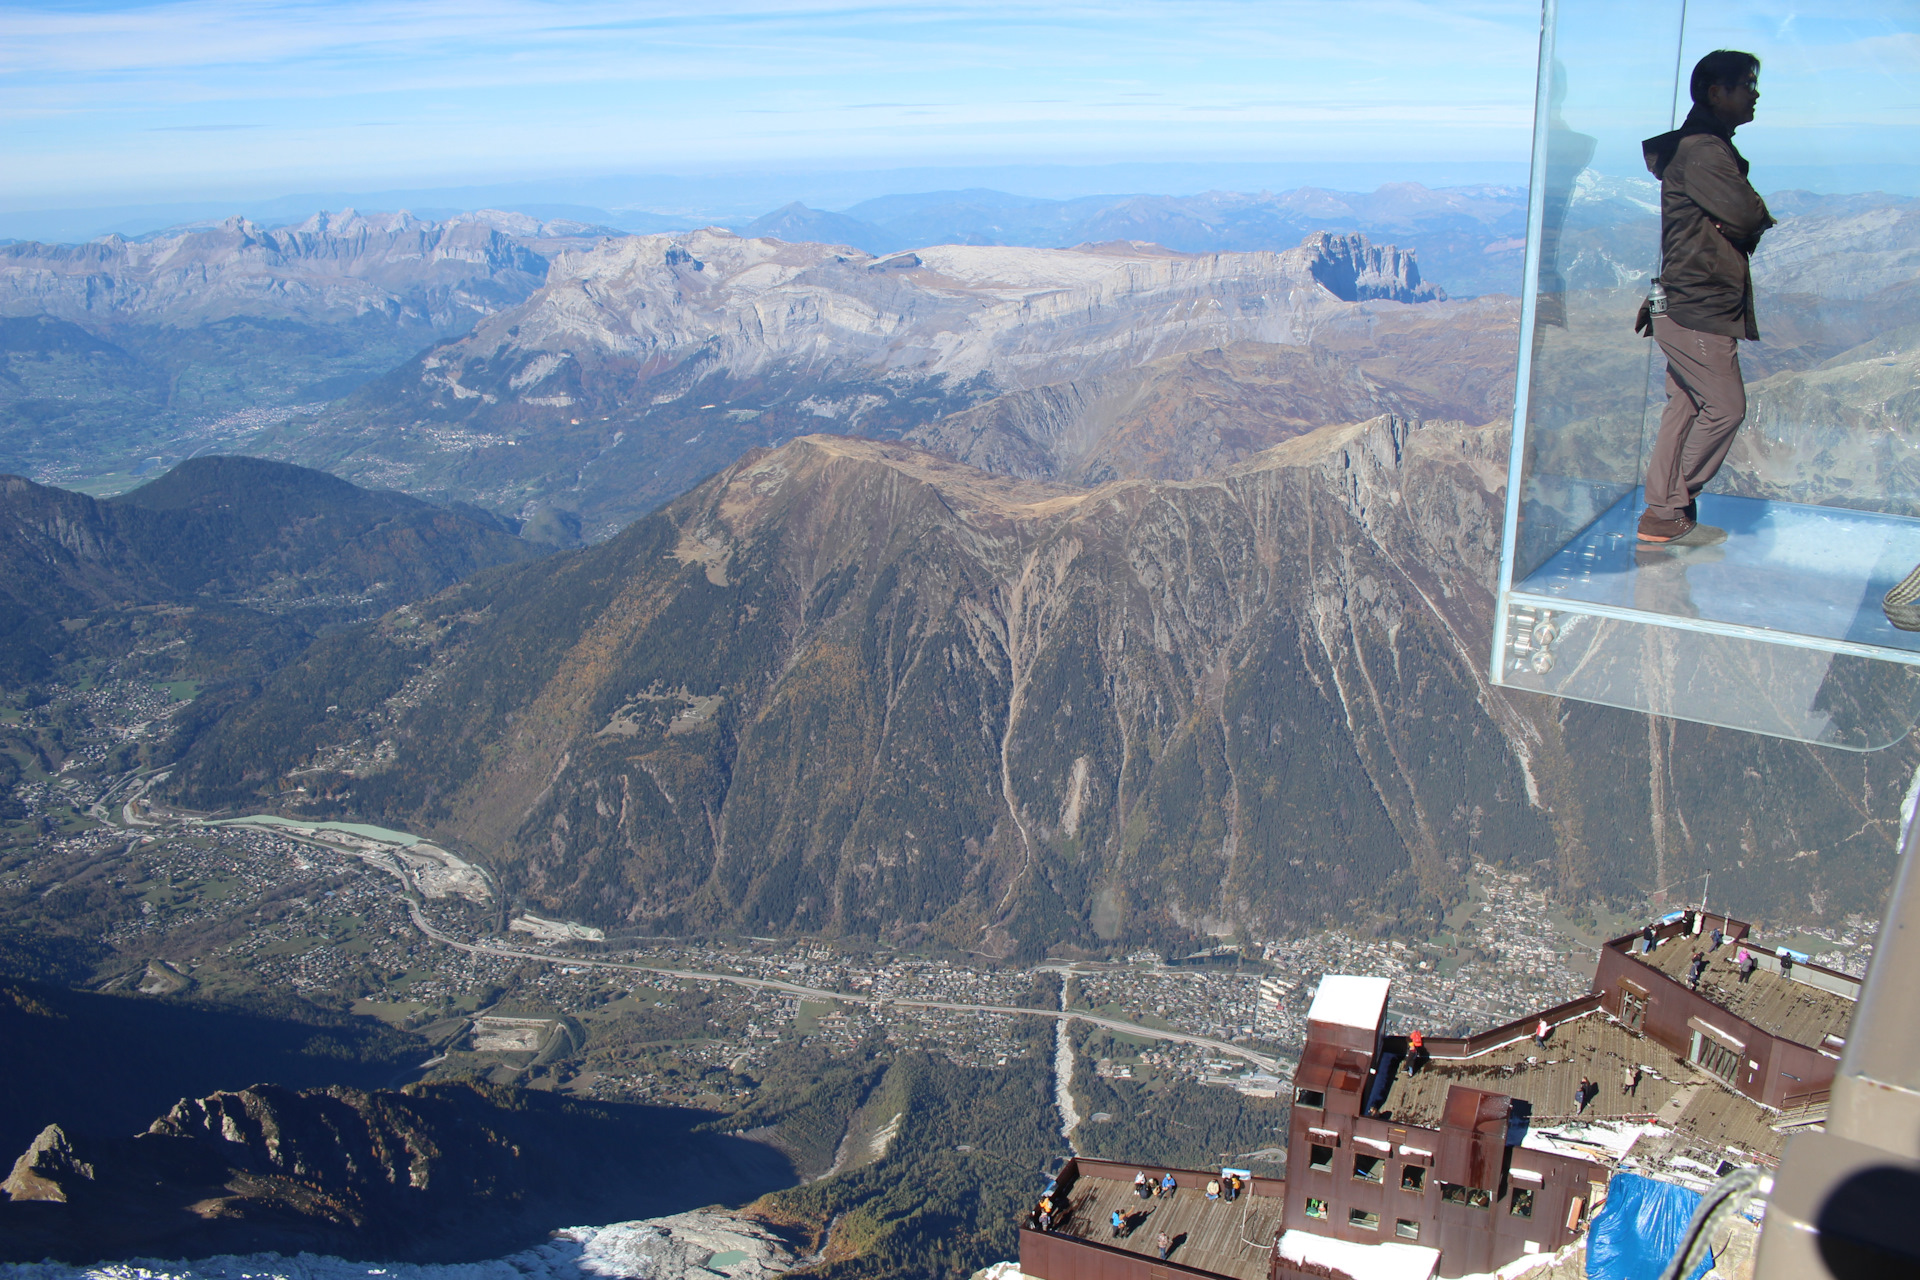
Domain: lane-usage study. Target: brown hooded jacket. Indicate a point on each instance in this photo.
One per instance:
(1711, 220)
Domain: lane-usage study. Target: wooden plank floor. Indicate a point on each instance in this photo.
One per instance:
(1230, 1239)
(1592, 1046)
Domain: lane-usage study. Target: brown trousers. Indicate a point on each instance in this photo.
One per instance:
(1706, 402)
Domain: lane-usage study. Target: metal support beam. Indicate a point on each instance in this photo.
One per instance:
(1843, 1201)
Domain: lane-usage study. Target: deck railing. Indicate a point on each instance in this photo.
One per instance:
(1445, 1048)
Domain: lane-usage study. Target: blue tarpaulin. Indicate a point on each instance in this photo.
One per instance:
(1642, 1226)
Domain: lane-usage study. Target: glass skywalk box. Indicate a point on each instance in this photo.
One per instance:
(1779, 628)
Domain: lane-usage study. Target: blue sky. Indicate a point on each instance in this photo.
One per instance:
(125, 102)
(114, 104)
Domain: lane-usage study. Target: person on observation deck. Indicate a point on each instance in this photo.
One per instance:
(1711, 220)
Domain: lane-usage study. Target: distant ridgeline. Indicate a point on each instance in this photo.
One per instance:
(240, 557)
(1153, 615)
(120, 349)
(645, 364)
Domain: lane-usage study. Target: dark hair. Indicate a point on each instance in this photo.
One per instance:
(1723, 67)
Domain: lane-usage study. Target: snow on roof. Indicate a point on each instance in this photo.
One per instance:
(1586, 1139)
(1361, 1261)
(1347, 1001)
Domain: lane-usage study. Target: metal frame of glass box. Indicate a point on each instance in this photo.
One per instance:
(1778, 630)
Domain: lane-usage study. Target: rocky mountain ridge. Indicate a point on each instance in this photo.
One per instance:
(333, 266)
(952, 311)
(127, 355)
(1463, 234)
(258, 545)
(848, 687)
(433, 1171)
(646, 363)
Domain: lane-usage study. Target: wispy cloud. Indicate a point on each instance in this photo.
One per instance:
(116, 97)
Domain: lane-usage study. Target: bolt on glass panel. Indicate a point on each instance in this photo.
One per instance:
(1775, 622)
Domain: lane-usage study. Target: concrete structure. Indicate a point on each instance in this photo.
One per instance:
(1493, 1146)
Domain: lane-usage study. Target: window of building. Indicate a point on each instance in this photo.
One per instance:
(1407, 1229)
(1522, 1203)
(1362, 1219)
(1472, 1197)
(1311, 1098)
(1369, 1168)
(1319, 1157)
(1633, 1008)
(1413, 1177)
(1316, 1207)
(1717, 1058)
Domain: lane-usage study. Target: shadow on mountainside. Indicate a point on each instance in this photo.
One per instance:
(431, 1173)
(103, 1066)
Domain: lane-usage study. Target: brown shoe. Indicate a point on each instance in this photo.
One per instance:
(1655, 529)
(1679, 533)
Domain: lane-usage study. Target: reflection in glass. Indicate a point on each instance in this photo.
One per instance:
(1779, 629)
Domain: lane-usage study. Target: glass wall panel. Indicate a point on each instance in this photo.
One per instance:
(1777, 629)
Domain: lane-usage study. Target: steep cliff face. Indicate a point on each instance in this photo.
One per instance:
(847, 686)
(748, 305)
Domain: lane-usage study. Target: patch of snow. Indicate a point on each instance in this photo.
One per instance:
(1347, 1001)
(1520, 1268)
(1615, 1139)
(1361, 1261)
(684, 1246)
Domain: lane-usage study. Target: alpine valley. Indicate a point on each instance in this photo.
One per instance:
(816, 699)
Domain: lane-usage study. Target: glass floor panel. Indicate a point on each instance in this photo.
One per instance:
(1787, 574)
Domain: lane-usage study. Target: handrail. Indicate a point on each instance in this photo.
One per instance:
(1811, 1098)
(1456, 1047)
(1117, 1171)
(1627, 944)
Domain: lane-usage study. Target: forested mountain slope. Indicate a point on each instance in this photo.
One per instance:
(846, 686)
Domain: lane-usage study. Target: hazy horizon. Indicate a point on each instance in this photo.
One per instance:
(135, 116)
(633, 202)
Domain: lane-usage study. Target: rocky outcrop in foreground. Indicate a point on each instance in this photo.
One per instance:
(429, 1172)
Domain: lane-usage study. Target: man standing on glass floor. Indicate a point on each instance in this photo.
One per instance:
(1711, 220)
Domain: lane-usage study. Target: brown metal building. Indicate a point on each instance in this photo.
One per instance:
(1447, 1167)
(1775, 1037)
(1356, 1172)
